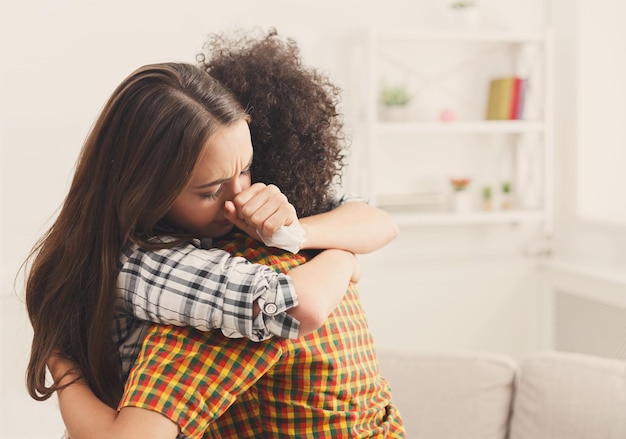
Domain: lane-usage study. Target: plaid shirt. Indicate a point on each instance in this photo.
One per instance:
(324, 385)
(192, 285)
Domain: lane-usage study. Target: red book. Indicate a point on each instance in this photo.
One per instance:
(522, 98)
(515, 98)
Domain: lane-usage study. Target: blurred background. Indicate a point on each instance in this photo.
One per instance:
(529, 255)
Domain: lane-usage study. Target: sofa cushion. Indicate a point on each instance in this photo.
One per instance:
(451, 395)
(570, 396)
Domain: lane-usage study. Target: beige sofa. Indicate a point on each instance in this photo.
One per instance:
(548, 395)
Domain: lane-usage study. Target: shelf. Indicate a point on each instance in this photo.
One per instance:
(451, 68)
(480, 36)
(486, 127)
(449, 218)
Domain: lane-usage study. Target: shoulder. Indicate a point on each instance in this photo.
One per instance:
(188, 251)
(239, 244)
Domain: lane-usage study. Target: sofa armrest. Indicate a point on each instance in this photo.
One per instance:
(570, 396)
(451, 395)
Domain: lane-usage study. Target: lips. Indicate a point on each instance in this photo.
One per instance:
(223, 223)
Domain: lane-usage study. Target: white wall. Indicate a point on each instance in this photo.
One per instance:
(601, 68)
(440, 288)
(590, 228)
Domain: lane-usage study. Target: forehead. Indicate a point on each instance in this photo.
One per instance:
(224, 155)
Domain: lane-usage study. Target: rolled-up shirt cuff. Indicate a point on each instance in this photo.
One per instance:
(274, 299)
(273, 319)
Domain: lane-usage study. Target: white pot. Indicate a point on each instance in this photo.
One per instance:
(461, 202)
(467, 17)
(394, 113)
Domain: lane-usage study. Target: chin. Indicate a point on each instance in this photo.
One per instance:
(218, 232)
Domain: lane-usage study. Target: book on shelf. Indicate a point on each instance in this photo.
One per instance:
(506, 98)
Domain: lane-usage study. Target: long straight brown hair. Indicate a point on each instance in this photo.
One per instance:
(137, 158)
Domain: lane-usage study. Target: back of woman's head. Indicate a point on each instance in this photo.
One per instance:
(295, 124)
(137, 158)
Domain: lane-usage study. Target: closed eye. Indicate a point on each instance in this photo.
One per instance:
(214, 194)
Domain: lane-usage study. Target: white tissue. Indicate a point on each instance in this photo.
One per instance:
(288, 238)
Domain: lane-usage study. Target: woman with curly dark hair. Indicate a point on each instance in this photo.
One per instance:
(296, 129)
(324, 385)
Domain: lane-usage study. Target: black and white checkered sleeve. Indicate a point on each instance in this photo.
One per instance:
(208, 289)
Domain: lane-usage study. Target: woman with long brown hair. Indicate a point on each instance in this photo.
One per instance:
(202, 384)
(164, 170)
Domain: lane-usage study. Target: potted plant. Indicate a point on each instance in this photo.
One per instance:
(461, 201)
(463, 5)
(487, 198)
(394, 101)
(507, 195)
(466, 13)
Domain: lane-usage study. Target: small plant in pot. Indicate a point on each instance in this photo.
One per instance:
(467, 13)
(461, 200)
(394, 100)
(462, 5)
(507, 196)
(487, 198)
(460, 184)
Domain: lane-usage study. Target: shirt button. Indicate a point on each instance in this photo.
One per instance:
(270, 309)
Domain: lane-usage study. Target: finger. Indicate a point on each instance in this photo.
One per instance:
(230, 212)
(270, 221)
(265, 203)
(267, 197)
(254, 192)
(274, 212)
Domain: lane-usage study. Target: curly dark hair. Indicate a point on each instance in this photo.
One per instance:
(296, 127)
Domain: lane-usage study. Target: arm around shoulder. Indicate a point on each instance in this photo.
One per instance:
(354, 226)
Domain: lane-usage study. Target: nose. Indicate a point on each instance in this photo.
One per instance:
(233, 187)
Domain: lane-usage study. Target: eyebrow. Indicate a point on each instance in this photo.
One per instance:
(213, 183)
(222, 180)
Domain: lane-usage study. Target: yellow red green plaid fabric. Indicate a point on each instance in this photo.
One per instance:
(324, 385)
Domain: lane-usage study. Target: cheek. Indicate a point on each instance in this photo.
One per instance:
(206, 210)
(194, 213)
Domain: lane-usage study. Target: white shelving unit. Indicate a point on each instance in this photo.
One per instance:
(450, 70)
(444, 218)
